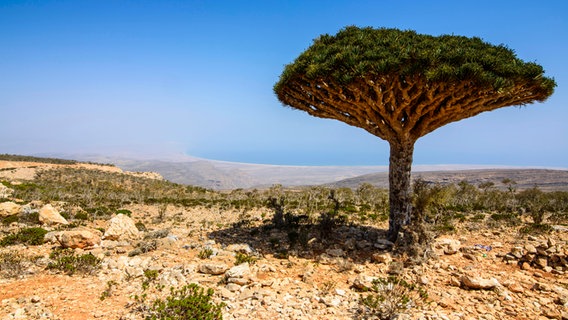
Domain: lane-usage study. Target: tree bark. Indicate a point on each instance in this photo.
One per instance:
(400, 192)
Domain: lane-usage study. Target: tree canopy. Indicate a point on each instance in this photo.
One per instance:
(378, 69)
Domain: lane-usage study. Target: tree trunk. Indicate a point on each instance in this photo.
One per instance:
(400, 192)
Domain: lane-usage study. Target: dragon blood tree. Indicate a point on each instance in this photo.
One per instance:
(401, 85)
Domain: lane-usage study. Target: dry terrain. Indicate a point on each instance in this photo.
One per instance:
(479, 272)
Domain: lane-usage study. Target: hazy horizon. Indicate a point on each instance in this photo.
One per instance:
(195, 78)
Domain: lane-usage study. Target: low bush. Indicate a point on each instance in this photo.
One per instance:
(188, 302)
(29, 236)
(241, 258)
(66, 261)
(392, 296)
(205, 253)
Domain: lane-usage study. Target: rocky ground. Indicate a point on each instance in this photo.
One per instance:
(479, 273)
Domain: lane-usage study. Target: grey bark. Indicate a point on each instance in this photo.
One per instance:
(400, 192)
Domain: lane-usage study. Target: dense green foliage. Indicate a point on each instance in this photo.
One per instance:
(355, 53)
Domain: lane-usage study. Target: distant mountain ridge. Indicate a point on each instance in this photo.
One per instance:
(544, 179)
(223, 175)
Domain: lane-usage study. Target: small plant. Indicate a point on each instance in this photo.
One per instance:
(392, 296)
(82, 216)
(151, 276)
(10, 219)
(241, 258)
(188, 302)
(328, 286)
(141, 226)
(108, 291)
(125, 212)
(29, 236)
(66, 261)
(478, 217)
(205, 253)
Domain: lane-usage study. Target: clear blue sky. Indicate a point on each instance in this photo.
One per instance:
(196, 77)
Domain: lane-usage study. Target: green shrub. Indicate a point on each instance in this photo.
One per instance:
(188, 302)
(30, 218)
(82, 216)
(536, 228)
(66, 261)
(241, 258)
(125, 212)
(205, 253)
(392, 296)
(10, 219)
(141, 226)
(478, 217)
(150, 276)
(30, 236)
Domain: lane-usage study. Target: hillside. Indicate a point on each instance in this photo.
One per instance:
(82, 241)
(222, 175)
(544, 179)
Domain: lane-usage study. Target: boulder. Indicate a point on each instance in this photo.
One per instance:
(79, 238)
(9, 209)
(240, 247)
(240, 271)
(213, 268)
(449, 246)
(474, 282)
(363, 282)
(335, 252)
(49, 215)
(381, 258)
(5, 192)
(121, 227)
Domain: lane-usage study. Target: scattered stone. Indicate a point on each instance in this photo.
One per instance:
(335, 252)
(383, 244)
(9, 208)
(474, 282)
(213, 268)
(241, 247)
(381, 258)
(52, 237)
(121, 227)
(49, 215)
(77, 238)
(448, 246)
(240, 271)
(529, 248)
(144, 247)
(5, 192)
(159, 234)
(363, 282)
